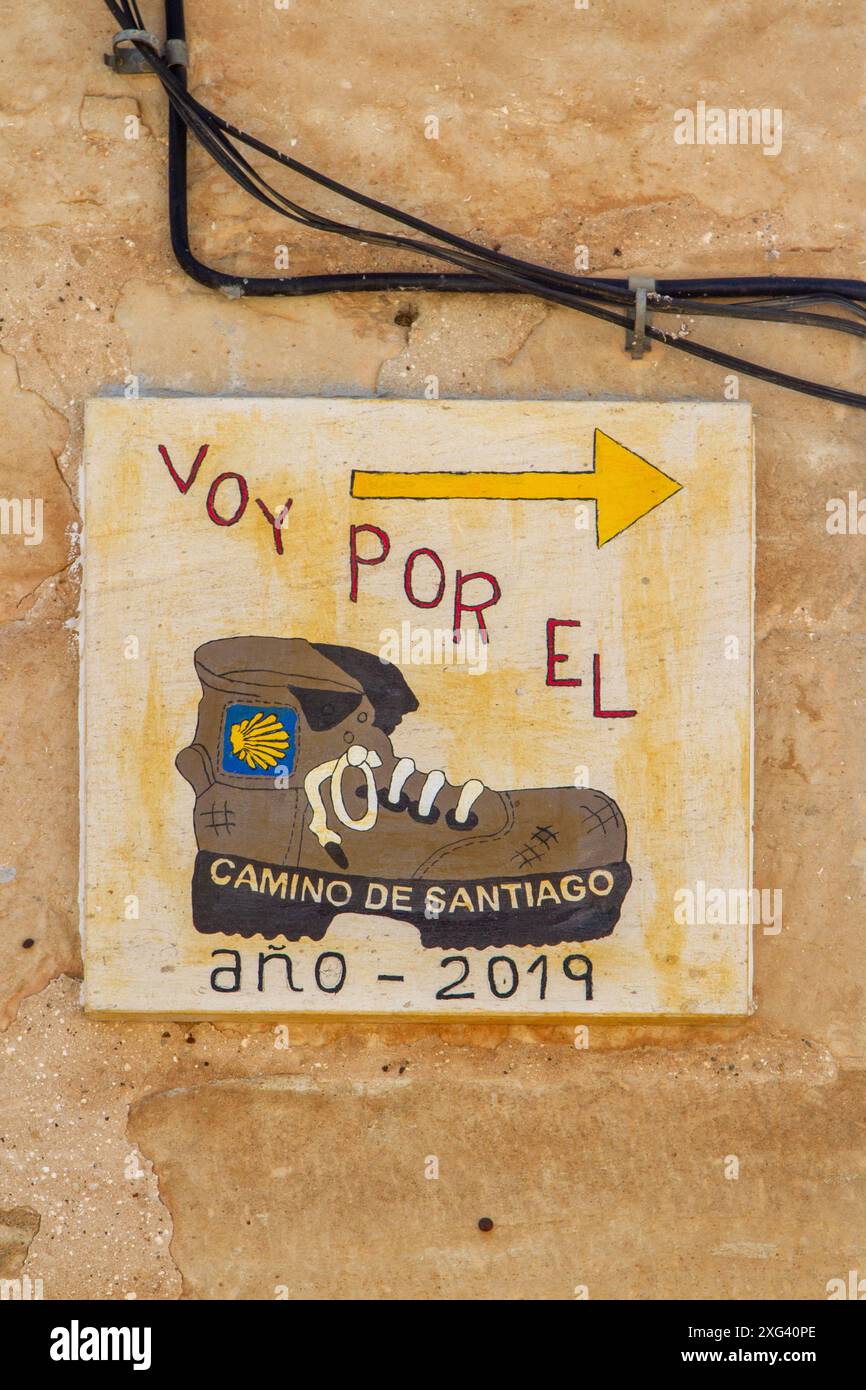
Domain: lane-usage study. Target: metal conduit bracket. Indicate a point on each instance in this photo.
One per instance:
(125, 57)
(636, 341)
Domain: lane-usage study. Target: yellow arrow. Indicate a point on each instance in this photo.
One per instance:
(623, 486)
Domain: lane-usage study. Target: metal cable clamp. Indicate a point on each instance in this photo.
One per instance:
(125, 57)
(636, 340)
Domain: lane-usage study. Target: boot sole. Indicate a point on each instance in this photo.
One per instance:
(245, 897)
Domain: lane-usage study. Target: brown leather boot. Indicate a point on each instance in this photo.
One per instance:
(303, 810)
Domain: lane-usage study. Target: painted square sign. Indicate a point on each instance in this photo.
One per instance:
(425, 708)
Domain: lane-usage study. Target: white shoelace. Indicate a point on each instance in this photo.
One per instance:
(367, 760)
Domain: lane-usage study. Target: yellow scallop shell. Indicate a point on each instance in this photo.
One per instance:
(260, 741)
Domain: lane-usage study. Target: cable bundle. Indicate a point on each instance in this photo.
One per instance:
(481, 270)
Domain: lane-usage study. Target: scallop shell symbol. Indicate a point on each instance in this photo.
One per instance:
(260, 741)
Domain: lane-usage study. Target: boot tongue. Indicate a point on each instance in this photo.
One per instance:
(383, 684)
(323, 709)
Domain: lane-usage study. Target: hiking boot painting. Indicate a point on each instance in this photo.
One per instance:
(417, 709)
(304, 810)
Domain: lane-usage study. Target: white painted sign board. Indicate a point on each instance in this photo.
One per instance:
(417, 708)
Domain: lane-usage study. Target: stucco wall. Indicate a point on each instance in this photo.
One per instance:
(159, 1160)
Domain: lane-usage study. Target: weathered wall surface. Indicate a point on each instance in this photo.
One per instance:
(159, 1160)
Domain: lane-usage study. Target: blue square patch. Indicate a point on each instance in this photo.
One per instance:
(259, 740)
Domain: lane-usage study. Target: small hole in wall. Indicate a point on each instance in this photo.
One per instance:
(28, 942)
(404, 318)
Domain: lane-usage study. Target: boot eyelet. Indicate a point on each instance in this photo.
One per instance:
(384, 804)
(423, 820)
(454, 824)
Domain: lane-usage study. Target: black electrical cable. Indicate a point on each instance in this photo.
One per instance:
(483, 270)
